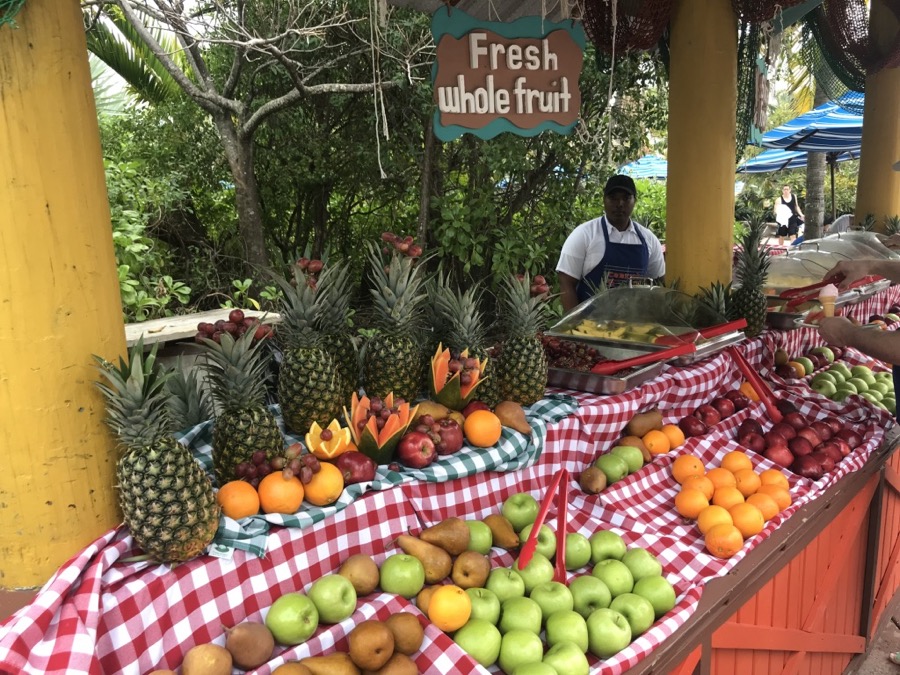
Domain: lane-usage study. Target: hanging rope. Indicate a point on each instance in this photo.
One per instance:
(8, 11)
(638, 24)
(377, 18)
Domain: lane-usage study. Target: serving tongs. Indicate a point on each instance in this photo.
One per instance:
(759, 385)
(559, 489)
(612, 366)
(797, 296)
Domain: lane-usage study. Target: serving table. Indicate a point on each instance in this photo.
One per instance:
(801, 596)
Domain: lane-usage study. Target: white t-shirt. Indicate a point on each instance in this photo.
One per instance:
(585, 246)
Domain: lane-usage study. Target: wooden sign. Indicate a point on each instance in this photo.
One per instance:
(520, 77)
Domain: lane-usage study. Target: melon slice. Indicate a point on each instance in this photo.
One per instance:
(379, 444)
(446, 388)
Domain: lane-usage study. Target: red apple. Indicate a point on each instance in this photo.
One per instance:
(824, 459)
(741, 401)
(800, 446)
(451, 437)
(692, 426)
(832, 449)
(833, 422)
(754, 441)
(785, 372)
(795, 419)
(725, 406)
(774, 439)
(807, 467)
(708, 415)
(810, 434)
(749, 425)
(843, 445)
(784, 429)
(785, 407)
(355, 467)
(851, 436)
(837, 351)
(823, 429)
(780, 455)
(416, 450)
(473, 406)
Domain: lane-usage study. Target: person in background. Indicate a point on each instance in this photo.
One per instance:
(612, 248)
(787, 214)
(843, 223)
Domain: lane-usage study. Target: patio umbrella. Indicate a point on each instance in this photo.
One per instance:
(648, 166)
(779, 160)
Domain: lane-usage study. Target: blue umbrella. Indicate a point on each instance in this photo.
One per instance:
(827, 128)
(648, 166)
(778, 160)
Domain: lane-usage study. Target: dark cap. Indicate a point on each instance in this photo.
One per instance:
(620, 182)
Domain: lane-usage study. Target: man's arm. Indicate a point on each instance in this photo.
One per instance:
(879, 344)
(567, 293)
(848, 271)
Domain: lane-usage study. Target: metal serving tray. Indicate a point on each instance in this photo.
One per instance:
(867, 291)
(605, 385)
(708, 347)
(788, 320)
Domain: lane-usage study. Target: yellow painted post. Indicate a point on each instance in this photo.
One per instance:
(700, 183)
(59, 299)
(878, 186)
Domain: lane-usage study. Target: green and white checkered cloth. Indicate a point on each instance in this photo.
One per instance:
(512, 452)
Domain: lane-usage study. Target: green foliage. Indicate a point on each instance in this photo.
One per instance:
(650, 209)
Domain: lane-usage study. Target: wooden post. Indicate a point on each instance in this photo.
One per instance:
(878, 186)
(59, 299)
(700, 183)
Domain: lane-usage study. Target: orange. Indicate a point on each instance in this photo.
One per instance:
(449, 608)
(774, 477)
(656, 442)
(747, 481)
(690, 502)
(674, 434)
(781, 496)
(721, 477)
(748, 519)
(799, 370)
(686, 466)
(701, 483)
(765, 503)
(482, 428)
(747, 390)
(736, 460)
(723, 541)
(325, 486)
(238, 499)
(713, 515)
(278, 494)
(727, 497)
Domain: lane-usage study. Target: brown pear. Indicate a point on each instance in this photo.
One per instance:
(371, 644)
(398, 664)
(424, 597)
(362, 572)
(512, 415)
(292, 668)
(502, 531)
(408, 632)
(471, 569)
(208, 659)
(451, 534)
(250, 643)
(338, 663)
(436, 561)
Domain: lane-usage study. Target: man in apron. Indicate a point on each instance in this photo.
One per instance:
(610, 249)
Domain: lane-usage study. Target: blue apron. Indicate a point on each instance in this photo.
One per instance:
(620, 262)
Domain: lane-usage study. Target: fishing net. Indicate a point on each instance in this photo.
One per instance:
(757, 11)
(748, 125)
(8, 11)
(620, 26)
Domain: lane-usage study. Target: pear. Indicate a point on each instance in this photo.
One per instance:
(437, 410)
(471, 569)
(435, 560)
(424, 597)
(250, 643)
(512, 415)
(398, 664)
(451, 534)
(371, 645)
(292, 668)
(362, 572)
(502, 531)
(408, 632)
(338, 663)
(208, 659)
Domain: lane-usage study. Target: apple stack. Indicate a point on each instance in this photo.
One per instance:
(840, 381)
(790, 368)
(708, 415)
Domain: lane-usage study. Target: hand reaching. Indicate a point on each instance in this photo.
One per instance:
(846, 272)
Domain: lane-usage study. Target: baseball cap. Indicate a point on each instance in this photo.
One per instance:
(620, 182)
(896, 166)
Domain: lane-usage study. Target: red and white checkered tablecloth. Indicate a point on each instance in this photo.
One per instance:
(101, 613)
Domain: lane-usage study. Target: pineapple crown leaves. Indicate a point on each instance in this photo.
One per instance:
(753, 260)
(522, 315)
(299, 309)
(237, 371)
(189, 403)
(334, 295)
(137, 408)
(460, 314)
(399, 291)
(715, 297)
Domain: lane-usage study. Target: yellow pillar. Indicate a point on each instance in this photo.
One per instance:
(878, 186)
(700, 183)
(59, 299)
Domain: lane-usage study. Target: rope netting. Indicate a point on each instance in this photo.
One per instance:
(8, 11)
(757, 11)
(749, 41)
(617, 26)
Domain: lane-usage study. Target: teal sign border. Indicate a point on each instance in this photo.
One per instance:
(456, 23)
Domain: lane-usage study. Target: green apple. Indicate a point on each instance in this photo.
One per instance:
(589, 593)
(827, 375)
(824, 351)
(608, 633)
(842, 393)
(890, 405)
(836, 374)
(881, 387)
(402, 574)
(535, 669)
(480, 537)
(825, 387)
(885, 375)
(871, 396)
(292, 618)
(552, 597)
(520, 614)
(616, 575)
(892, 316)
(658, 591)
(578, 551)
(567, 626)
(860, 384)
(606, 544)
(568, 658)
(612, 466)
(334, 597)
(520, 510)
(807, 364)
(519, 647)
(481, 640)
(485, 604)
(858, 371)
(637, 610)
(641, 563)
(505, 583)
(842, 368)
(538, 570)
(546, 540)
(633, 457)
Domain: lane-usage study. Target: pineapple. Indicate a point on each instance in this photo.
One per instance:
(310, 388)
(334, 322)
(522, 368)
(394, 358)
(715, 297)
(751, 270)
(236, 371)
(166, 497)
(189, 404)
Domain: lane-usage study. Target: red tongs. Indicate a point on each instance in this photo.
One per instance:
(610, 367)
(797, 296)
(559, 488)
(759, 385)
